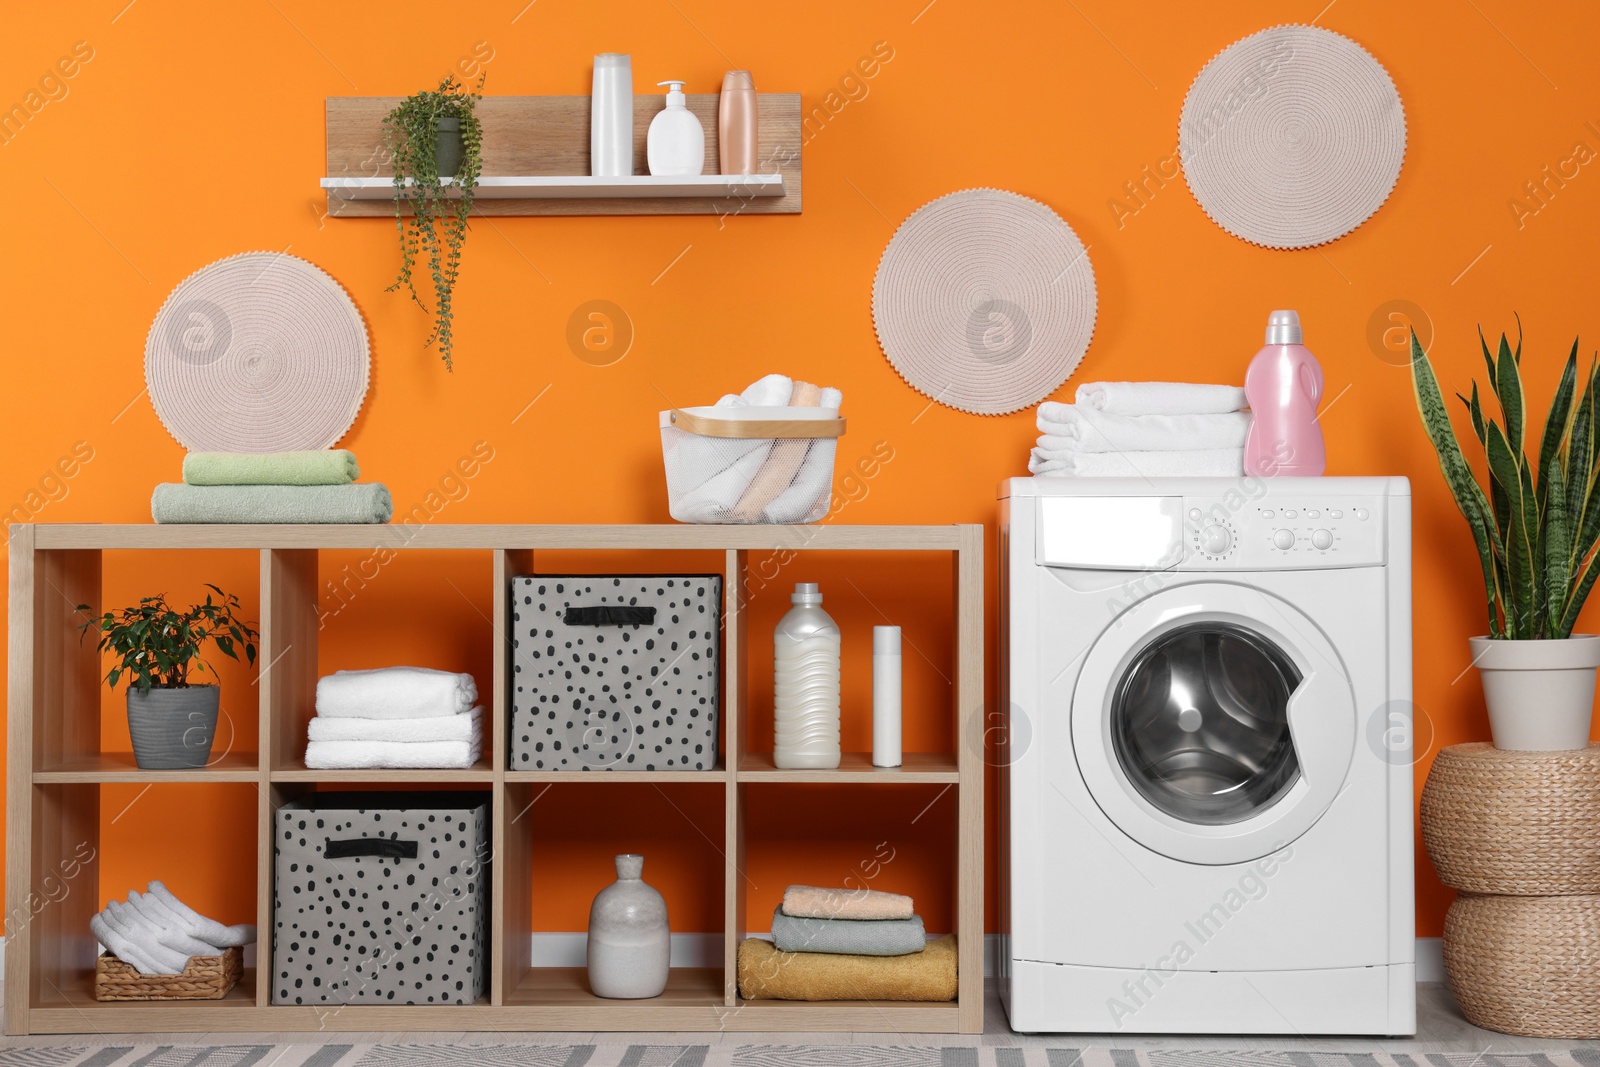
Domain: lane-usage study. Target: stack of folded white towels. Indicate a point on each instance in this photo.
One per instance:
(1143, 430)
(395, 717)
(157, 933)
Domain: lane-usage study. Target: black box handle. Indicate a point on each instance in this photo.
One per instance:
(610, 615)
(386, 847)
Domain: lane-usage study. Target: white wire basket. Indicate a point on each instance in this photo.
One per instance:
(743, 466)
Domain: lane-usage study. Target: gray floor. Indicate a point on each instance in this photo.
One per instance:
(1440, 1029)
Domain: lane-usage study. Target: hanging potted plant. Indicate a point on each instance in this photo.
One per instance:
(172, 720)
(1536, 528)
(435, 145)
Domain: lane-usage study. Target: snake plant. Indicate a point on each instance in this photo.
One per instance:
(1537, 526)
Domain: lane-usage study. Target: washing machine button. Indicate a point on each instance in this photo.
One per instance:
(1322, 539)
(1283, 539)
(1194, 514)
(1291, 513)
(1335, 514)
(1313, 513)
(1268, 513)
(1215, 540)
(1361, 513)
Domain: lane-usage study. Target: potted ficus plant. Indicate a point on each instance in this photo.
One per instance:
(435, 145)
(1536, 526)
(172, 719)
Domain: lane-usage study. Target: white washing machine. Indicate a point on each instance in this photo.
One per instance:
(1207, 789)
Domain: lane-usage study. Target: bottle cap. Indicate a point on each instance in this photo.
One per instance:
(738, 79)
(886, 640)
(806, 593)
(1283, 328)
(674, 94)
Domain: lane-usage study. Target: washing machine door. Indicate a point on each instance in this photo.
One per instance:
(1213, 723)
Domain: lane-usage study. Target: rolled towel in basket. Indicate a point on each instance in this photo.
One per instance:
(437, 728)
(1160, 398)
(324, 466)
(395, 693)
(748, 480)
(207, 930)
(767, 973)
(132, 950)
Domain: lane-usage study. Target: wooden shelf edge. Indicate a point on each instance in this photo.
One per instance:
(465, 536)
(580, 186)
(718, 775)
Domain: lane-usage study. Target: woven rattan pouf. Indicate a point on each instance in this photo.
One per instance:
(1517, 834)
(1526, 965)
(1515, 823)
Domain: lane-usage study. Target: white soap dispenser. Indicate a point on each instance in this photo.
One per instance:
(677, 142)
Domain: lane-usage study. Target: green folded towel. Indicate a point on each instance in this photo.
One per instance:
(327, 466)
(364, 502)
(855, 937)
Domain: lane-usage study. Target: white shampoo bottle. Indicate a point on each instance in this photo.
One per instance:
(677, 141)
(806, 705)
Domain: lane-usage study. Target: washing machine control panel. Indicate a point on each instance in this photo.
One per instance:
(1227, 531)
(1237, 532)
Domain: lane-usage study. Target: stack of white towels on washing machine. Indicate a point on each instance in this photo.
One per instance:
(1143, 430)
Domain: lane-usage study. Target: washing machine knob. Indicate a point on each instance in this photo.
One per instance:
(1322, 539)
(1283, 539)
(1215, 540)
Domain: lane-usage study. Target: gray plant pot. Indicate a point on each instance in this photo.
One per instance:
(447, 150)
(173, 728)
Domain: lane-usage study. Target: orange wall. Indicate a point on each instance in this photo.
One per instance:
(195, 131)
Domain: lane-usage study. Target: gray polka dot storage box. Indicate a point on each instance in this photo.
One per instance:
(381, 898)
(615, 672)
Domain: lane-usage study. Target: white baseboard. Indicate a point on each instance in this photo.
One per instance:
(705, 950)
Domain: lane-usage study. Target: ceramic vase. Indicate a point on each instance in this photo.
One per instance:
(172, 729)
(630, 943)
(1540, 694)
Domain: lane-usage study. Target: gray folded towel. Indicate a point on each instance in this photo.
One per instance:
(363, 502)
(854, 937)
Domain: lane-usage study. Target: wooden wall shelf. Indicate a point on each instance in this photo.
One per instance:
(536, 160)
(56, 771)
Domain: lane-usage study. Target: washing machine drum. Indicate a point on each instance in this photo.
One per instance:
(1213, 723)
(1200, 723)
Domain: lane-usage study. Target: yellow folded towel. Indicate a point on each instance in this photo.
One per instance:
(768, 974)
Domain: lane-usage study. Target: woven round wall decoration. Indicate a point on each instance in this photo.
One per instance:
(984, 301)
(1292, 137)
(259, 352)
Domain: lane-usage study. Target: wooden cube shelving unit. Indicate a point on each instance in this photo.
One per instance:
(55, 769)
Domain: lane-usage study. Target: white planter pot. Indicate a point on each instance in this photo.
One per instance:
(1540, 693)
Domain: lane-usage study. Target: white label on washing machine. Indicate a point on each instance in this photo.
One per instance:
(1116, 533)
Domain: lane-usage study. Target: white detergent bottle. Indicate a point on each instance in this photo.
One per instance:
(806, 644)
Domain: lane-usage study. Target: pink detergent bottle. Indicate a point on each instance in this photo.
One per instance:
(1284, 386)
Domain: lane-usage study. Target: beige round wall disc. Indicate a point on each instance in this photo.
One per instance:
(1292, 137)
(984, 301)
(259, 352)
